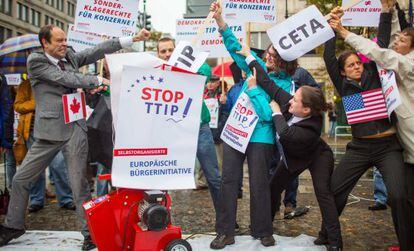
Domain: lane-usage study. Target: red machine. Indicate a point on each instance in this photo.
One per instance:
(136, 220)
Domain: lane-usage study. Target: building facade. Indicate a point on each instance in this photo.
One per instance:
(19, 17)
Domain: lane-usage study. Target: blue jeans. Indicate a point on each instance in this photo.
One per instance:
(291, 193)
(37, 189)
(10, 167)
(332, 125)
(206, 154)
(380, 191)
(59, 172)
(102, 185)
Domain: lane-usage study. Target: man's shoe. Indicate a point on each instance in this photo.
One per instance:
(333, 248)
(69, 206)
(267, 241)
(377, 207)
(221, 241)
(321, 240)
(88, 243)
(7, 234)
(34, 208)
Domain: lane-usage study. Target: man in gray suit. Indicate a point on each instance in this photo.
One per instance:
(53, 73)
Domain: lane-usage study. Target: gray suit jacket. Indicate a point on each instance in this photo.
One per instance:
(49, 83)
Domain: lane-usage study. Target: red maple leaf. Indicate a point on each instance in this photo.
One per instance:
(75, 106)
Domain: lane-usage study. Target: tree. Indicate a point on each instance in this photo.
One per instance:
(325, 6)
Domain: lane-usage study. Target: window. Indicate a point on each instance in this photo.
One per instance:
(35, 18)
(5, 6)
(71, 9)
(59, 24)
(50, 2)
(4, 34)
(22, 12)
(59, 5)
(49, 20)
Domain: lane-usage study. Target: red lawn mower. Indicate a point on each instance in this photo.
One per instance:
(136, 220)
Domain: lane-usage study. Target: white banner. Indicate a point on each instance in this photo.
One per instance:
(250, 11)
(390, 89)
(210, 41)
(74, 107)
(187, 57)
(157, 129)
(116, 62)
(116, 18)
(366, 13)
(81, 40)
(213, 107)
(13, 79)
(240, 124)
(300, 33)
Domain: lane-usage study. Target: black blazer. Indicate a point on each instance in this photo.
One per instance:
(301, 141)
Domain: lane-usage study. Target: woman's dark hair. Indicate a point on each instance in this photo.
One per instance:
(46, 33)
(314, 99)
(343, 57)
(409, 32)
(281, 65)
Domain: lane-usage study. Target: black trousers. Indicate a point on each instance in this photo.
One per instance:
(321, 170)
(259, 157)
(409, 171)
(385, 154)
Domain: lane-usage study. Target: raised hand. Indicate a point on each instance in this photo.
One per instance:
(142, 35)
(215, 7)
(274, 106)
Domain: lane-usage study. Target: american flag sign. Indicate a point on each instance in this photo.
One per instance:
(365, 106)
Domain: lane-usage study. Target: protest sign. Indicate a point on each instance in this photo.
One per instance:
(250, 11)
(300, 33)
(13, 79)
(74, 107)
(366, 13)
(240, 124)
(116, 18)
(187, 57)
(157, 129)
(116, 62)
(213, 107)
(389, 89)
(81, 40)
(210, 40)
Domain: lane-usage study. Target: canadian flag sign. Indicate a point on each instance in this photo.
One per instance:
(74, 107)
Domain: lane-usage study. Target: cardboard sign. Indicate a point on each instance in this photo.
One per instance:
(157, 129)
(300, 33)
(210, 41)
(13, 79)
(187, 57)
(366, 13)
(74, 107)
(390, 89)
(116, 18)
(116, 62)
(240, 125)
(213, 107)
(250, 11)
(81, 40)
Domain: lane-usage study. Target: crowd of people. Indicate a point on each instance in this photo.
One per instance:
(286, 140)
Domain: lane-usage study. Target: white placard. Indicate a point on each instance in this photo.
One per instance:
(240, 125)
(16, 124)
(74, 107)
(116, 62)
(390, 89)
(81, 40)
(210, 41)
(366, 13)
(157, 129)
(213, 107)
(187, 57)
(250, 11)
(300, 33)
(116, 18)
(13, 79)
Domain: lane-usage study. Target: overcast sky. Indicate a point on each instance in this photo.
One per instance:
(164, 13)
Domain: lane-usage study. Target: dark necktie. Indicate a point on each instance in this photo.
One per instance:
(61, 65)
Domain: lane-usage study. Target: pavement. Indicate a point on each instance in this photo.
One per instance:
(193, 211)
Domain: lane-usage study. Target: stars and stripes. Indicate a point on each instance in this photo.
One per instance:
(365, 106)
